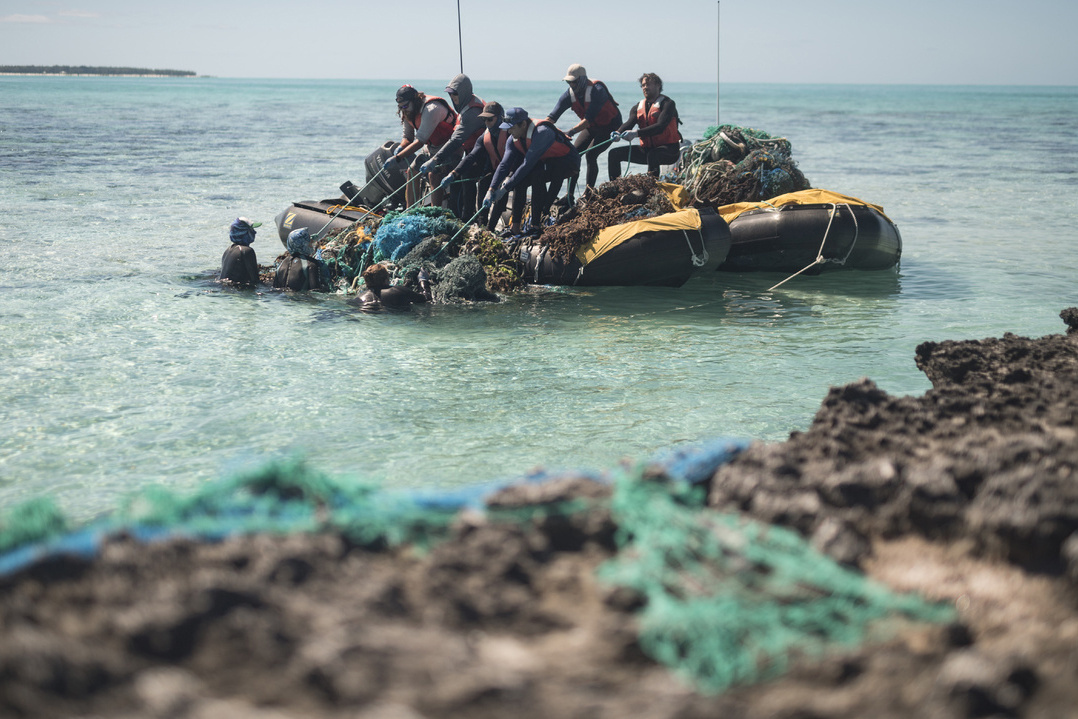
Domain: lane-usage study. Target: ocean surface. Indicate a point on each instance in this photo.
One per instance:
(124, 364)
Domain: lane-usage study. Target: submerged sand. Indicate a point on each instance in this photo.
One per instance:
(967, 495)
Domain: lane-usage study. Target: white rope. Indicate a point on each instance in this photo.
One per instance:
(701, 259)
(820, 259)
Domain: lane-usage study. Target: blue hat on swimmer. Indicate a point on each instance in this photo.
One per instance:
(299, 242)
(514, 116)
(242, 231)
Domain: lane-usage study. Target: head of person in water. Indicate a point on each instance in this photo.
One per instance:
(376, 277)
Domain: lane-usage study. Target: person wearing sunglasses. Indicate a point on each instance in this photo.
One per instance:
(537, 155)
(427, 123)
(599, 115)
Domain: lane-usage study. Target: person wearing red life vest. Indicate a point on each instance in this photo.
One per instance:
(539, 155)
(483, 160)
(427, 123)
(656, 120)
(466, 133)
(599, 116)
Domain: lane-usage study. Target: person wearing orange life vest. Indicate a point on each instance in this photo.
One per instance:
(467, 131)
(427, 123)
(483, 160)
(599, 116)
(539, 155)
(657, 119)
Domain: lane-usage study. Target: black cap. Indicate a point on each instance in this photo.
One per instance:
(406, 93)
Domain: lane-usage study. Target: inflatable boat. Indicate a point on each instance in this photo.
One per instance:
(811, 231)
(321, 217)
(659, 251)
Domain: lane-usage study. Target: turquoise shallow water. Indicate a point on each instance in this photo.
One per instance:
(125, 364)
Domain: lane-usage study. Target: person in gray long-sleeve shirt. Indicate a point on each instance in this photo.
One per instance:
(469, 127)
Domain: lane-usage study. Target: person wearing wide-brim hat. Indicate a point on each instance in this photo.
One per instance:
(239, 265)
(599, 116)
(483, 160)
(537, 155)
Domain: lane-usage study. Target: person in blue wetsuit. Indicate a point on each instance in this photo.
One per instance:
(599, 116)
(239, 266)
(538, 155)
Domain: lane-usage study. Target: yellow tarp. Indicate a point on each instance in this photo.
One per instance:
(804, 197)
(613, 236)
(678, 195)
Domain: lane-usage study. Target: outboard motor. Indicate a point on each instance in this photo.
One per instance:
(388, 182)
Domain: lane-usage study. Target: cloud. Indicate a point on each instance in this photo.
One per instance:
(34, 19)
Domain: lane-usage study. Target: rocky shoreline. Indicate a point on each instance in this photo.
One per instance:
(966, 495)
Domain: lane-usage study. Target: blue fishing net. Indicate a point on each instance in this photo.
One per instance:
(726, 600)
(398, 233)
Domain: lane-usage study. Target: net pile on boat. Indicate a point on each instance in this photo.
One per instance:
(629, 198)
(738, 164)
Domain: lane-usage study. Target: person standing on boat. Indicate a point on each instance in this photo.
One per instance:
(483, 160)
(469, 127)
(599, 116)
(657, 119)
(427, 124)
(538, 155)
(239, 266)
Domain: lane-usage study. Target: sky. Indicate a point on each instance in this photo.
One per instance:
(949, 42)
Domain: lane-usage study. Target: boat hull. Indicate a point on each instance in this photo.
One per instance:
(317, 216)
(665, 258)
(790, 238)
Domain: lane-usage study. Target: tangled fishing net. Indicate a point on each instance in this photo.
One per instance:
(504, 269)
(738, 164)
(724, 600)
(625, 199)
(730, 601)
(398, 233)
(405, 243)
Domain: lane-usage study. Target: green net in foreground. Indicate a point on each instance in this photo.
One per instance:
(731, 601)
(728, 600)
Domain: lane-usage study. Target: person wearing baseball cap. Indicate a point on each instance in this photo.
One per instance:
(599, 115)
(537, 155)
(483, 159)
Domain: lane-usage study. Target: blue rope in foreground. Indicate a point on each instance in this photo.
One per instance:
(290, 497)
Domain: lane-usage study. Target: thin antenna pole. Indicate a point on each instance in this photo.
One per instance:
(460, 39)
(718, 60)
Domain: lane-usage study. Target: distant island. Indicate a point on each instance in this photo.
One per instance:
(89, 70)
